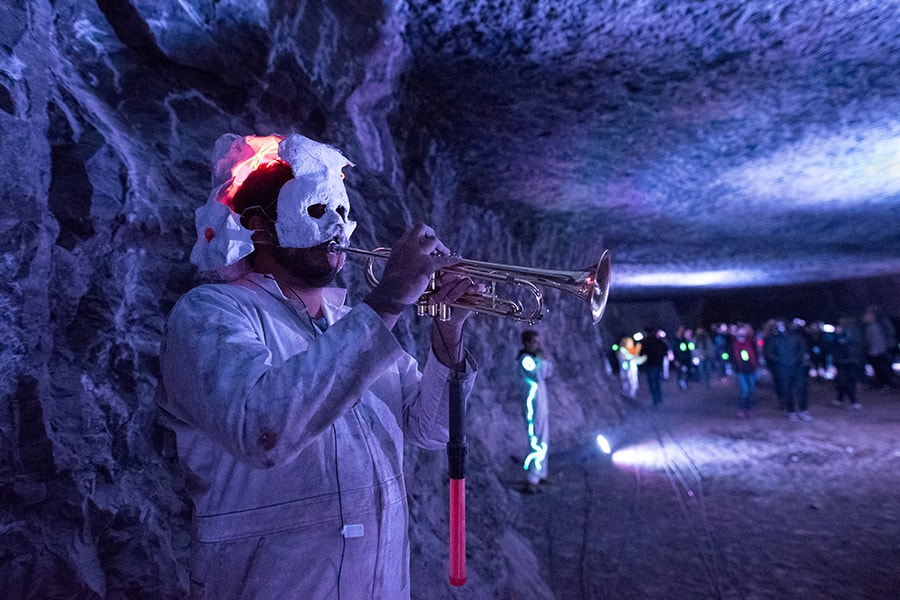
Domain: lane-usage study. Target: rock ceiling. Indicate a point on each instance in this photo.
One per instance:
(711, 144)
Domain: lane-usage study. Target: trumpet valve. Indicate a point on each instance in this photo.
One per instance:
(426, 308)
(439, 311)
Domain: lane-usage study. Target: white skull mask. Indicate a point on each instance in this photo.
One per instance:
(313, 208)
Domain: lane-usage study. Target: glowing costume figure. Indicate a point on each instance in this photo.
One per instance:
(535, 369)
(630, 358)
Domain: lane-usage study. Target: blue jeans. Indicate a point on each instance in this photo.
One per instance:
(792, 387)
(654, 383)
(704, 371)
(747, 382)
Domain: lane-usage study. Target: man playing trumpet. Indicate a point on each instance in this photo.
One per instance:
(291, 409)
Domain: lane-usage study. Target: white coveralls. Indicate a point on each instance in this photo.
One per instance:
(628, 371)
(537, 414)
(289, 435)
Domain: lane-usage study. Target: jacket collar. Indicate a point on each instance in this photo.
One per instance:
(333, 298)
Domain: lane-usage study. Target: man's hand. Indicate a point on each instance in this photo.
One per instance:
(446, 336)
(407, 274)
(414, 258)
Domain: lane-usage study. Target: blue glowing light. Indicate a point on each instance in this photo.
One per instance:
(528, 363)
(538, 450)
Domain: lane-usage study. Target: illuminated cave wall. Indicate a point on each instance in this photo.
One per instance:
(108, 113)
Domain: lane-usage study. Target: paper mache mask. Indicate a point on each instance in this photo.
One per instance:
(313, 208)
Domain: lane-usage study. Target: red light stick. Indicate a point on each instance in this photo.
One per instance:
(457, 449)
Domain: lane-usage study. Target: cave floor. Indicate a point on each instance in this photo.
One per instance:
(696, 503)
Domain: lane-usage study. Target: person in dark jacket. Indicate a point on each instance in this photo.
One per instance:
(787, 355)
(655, 349)
(880, 344)
(746, 364)
(849, 358)
(683, 348)
(704, 352)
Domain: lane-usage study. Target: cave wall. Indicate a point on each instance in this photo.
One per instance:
(109, 111)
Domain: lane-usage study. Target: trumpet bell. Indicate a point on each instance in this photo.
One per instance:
(599, 290)
(591, 285)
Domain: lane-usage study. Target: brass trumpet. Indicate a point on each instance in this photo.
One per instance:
(591, 285)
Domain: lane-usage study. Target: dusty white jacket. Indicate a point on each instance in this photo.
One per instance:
(290, 436)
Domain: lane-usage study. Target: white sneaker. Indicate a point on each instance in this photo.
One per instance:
(857, 406)
(806, 416)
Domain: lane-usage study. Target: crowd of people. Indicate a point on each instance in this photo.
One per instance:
(852, 352)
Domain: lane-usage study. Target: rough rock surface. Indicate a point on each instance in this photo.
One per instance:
(710, 144)
(683, 137)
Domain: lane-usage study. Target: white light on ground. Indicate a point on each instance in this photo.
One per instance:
(641, 456)
(696, 450)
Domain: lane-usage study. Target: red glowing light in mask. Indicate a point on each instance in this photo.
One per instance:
(265, 151)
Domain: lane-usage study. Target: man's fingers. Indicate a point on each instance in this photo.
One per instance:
(452, 288)
(442, 261)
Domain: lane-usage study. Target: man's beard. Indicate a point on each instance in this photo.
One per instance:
(311, 266)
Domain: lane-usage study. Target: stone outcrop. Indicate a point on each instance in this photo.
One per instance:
(109, 111)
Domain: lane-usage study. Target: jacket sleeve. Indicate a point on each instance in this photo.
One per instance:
(426, 400)
(546, 368)
(219, 377)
